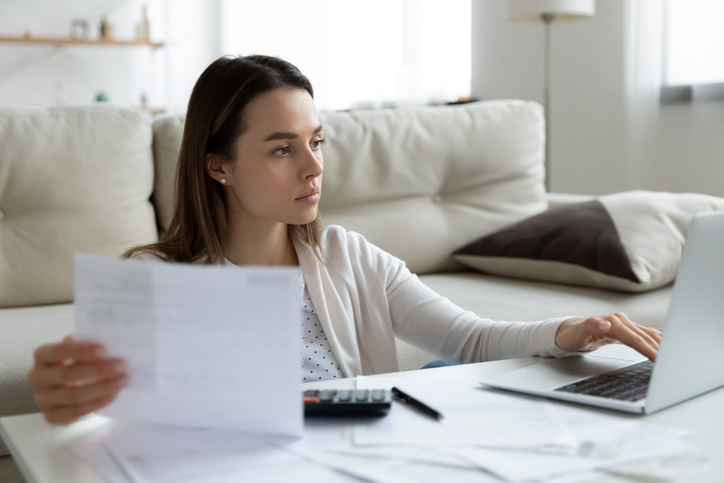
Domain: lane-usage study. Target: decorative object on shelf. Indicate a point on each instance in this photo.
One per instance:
(27, 34)
(143, 28)
(106, 29)
(103, 96)
(79, 28)
(547, 11)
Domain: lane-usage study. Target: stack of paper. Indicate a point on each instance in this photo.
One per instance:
(518, 438)
(506, 438)
(153, 454)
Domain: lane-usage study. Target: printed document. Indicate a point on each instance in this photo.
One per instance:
(206, 346)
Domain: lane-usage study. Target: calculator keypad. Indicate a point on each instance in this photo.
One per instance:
(347, 402)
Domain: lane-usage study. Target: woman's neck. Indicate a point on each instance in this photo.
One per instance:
(261, 243)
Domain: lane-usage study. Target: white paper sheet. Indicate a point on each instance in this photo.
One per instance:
(634, 441)
(206, 346)
(163, 455)
(170, 455)
(323, 434)
(672, 468)
(607, 441)
(472, 416)
(97, 457)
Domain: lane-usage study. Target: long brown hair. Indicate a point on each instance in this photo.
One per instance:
(214, 121)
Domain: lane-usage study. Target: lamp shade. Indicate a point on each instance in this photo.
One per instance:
(531, 10)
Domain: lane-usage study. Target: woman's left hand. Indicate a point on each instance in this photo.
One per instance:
(587, 334)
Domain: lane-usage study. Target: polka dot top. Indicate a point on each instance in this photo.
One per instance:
(318, 360)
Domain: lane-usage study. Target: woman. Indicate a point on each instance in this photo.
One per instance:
(248, 184)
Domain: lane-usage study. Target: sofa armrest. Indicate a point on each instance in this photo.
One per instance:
(558, 199)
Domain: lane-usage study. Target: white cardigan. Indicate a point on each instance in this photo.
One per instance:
(364, 297)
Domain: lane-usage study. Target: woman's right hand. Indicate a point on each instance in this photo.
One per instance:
(71, 379)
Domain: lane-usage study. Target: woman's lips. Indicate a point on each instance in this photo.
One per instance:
(311, 196)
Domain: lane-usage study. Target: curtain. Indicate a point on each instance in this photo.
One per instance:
(643, 56)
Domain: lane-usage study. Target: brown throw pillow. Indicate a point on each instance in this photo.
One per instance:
(629, 241)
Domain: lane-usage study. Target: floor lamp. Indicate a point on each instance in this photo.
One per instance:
(547, 11)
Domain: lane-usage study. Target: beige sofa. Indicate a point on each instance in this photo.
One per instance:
(419, 183)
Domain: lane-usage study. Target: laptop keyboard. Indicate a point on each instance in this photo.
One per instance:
(630, 385)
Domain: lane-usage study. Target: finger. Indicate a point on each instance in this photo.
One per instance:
(627, 336)
(655, 333)
(77, 396)
(638, 329)
(67, 414)
(51, 354)
(53, 376)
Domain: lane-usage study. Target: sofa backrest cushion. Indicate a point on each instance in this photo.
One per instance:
(419, 183)
(72, 179)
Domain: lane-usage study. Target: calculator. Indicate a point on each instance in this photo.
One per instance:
(347, 402)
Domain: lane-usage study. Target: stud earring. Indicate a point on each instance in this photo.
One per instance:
(223, 181)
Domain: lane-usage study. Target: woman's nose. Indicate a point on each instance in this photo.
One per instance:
(314, 165)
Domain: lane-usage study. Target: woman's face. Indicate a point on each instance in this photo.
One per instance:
(277, 173)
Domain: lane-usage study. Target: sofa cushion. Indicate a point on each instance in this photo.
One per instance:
(72, 179)
(629, 241)
(416, 182)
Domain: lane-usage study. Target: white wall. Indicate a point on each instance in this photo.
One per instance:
(687, 153)
(29, 72)
(589, 124)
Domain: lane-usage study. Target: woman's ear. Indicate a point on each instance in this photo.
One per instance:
(216, 169)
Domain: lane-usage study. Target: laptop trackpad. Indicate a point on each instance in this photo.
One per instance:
(559, 372)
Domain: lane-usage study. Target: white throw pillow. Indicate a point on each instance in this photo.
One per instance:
(72, 179)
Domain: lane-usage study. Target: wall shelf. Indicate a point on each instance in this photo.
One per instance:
(71, 41)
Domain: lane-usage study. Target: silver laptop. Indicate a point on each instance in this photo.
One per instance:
(689, 359)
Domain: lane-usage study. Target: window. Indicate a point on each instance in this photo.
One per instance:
(369, 54)
(694, 42)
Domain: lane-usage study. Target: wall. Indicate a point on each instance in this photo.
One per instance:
(29, 73)
(590, 150)
(687, 153)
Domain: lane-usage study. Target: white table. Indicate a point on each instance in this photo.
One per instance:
(38, 448)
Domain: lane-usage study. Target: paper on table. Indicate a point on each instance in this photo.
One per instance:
(323, 434)
(472, 416)
(206, 346)
(600, 434)
(165, 454)
(95, 455)
(637, 441)
(430, 455)
(671, 468)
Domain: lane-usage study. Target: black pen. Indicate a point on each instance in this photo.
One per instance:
(419, 405)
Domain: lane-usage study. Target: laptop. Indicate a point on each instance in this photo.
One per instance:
(689, 359)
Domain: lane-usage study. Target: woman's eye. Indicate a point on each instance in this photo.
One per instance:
(284, 150)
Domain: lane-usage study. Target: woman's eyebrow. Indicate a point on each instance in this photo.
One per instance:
(288, 135)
